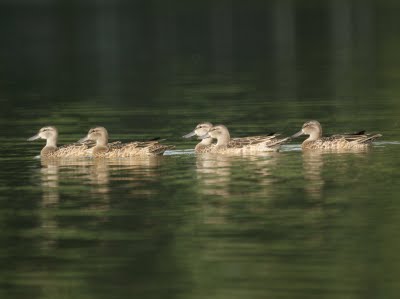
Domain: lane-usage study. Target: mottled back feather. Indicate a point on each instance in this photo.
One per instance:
(345, 141)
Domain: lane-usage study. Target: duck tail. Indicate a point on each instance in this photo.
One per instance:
(159, 149)
(368, 138)
(275, 144)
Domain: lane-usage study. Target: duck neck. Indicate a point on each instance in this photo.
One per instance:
(51, 141)
(102, 141)
(223, 140)
(314, 136)
(206, 141)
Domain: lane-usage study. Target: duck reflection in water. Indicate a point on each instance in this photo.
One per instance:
(214, 172)
(50, 182)
(314, 164)
(95, 175)
(218, 175)
(312, 167)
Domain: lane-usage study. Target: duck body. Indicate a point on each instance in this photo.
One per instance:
(269, 143)
(67, 151)
(315, 141)
(341, 142)
(203, 148)
(121, 150)
(244, 145)
(225, 144)
(50, 134)
(133, 149)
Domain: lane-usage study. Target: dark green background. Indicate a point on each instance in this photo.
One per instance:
(286, 225)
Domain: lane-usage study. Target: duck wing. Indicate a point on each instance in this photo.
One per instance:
(153, 147)
(245, 141)
(359, 137)
(72, 150)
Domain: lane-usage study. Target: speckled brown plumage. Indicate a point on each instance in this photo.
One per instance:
(122, 150)
(315, 141)
(242, 145)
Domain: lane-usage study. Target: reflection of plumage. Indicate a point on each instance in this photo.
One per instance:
(356, 141)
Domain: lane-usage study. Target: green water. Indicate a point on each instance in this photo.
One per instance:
(281, 225)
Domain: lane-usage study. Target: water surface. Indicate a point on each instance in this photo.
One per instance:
(290, 224)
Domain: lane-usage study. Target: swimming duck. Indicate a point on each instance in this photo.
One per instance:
(51, 150)
(205, 144)
(120, 150)
(251, 144)
(315, 140)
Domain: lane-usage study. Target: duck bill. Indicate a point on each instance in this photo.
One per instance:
(205, 136)
(297, 134)
(191, 134)
(82, 140)
(34, 137)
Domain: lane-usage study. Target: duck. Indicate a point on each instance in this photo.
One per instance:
(315, 141)
(122, 150)
(205, 144)
(50, 134)
(253, 144)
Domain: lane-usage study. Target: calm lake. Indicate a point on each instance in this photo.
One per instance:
(291, 224)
